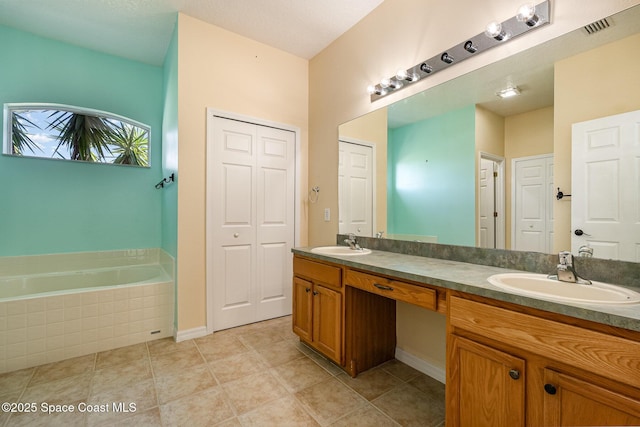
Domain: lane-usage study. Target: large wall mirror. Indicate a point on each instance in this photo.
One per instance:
(435, 166)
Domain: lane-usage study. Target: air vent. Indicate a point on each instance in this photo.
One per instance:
(594, 27)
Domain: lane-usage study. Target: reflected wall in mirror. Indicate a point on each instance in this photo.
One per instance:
(435, 152)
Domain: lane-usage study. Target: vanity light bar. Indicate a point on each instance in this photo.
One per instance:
(529, 18)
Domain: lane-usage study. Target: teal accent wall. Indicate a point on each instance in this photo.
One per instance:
(431, 178)
(170, 148)
(53, 206)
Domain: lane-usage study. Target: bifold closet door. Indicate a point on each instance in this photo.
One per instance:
(250, 209)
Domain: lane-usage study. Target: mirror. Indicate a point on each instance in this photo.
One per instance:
(428, 150)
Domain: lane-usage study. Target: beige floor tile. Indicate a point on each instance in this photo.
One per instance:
(167, 345)
(141, 394)
(322, 361)
(261, 338)
(176, 361)
(63, 391)
(367, 416)
(400, 370)
(283, 412)
(250, 392)
(149, 418)
(216, 347)
(122, 375)
(63, 369)
(238, 366)
(300, 374)
(371, 384)
(233, 422)
(408, 406)
(180, 384)
(329, 400)
(280, 352)
(16, 380)
(47, 420)
(121, 356)
(203, 409)
(430, 386)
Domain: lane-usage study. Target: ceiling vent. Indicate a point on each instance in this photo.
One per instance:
(596, 26)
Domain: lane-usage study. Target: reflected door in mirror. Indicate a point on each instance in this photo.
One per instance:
(355, 189)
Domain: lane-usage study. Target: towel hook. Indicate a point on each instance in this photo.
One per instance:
(165, 181)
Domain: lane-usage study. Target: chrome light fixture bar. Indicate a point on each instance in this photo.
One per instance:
(528, 18)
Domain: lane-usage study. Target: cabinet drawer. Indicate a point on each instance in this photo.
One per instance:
(317, 272)
(602, 354)
(394, 289)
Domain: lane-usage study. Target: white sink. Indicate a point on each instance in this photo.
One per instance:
(540, 286)
(339, 250)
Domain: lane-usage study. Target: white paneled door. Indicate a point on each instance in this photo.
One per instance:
(605, 204)
(532, 204)
(488, 209)
(250, 221)
(355, 189)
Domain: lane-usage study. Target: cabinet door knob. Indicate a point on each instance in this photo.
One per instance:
(307, 290)
(236, 235)
(514, 374)
(550, 388)
(315, 292)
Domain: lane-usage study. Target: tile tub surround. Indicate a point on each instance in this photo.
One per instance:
(46, 329)
(253, 375)
(466, 269)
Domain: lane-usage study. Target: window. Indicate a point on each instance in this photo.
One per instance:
(73, 133)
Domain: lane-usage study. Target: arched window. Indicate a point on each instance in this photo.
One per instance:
(73, 133)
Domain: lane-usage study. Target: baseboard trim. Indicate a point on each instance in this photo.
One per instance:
(189, 334)
(421, 365)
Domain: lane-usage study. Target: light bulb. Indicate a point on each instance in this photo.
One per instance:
(402, 74)
(494, 30)
(371, 89)
(527, 14)
(384, 83)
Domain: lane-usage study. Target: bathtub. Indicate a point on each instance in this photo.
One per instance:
(55, 307)
(69, 282)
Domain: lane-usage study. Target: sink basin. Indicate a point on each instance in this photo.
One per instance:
(540, 286)
(339, 250)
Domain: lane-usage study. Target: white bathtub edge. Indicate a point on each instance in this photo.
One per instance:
(189, 334)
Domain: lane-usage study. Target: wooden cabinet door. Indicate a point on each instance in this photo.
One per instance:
(302, 308)
(487, 386)
(327, 330)
(569, 401)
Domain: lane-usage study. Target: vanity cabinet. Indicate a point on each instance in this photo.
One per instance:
(508, 367)
(317, 306)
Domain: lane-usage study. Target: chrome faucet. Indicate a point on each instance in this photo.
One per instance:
(566, 270)
(352, 242)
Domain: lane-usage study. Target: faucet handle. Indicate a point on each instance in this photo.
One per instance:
(565, 258)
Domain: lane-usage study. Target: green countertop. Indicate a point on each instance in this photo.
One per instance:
(472, 279)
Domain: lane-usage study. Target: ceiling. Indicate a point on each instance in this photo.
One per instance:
(142, 29)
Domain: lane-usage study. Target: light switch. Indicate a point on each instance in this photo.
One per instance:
(327, 214)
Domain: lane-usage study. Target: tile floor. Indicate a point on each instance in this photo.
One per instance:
(254, 375)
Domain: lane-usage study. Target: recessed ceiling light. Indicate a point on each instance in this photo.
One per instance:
(508, 92)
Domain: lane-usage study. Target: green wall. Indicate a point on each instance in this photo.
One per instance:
(53, 206)
(431, 178)
(170, 148)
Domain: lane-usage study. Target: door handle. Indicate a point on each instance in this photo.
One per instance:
(579, 232)
(383, 287)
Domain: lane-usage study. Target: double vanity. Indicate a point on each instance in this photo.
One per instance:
(513, 358)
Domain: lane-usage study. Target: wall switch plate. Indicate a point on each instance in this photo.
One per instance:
(327, 214)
